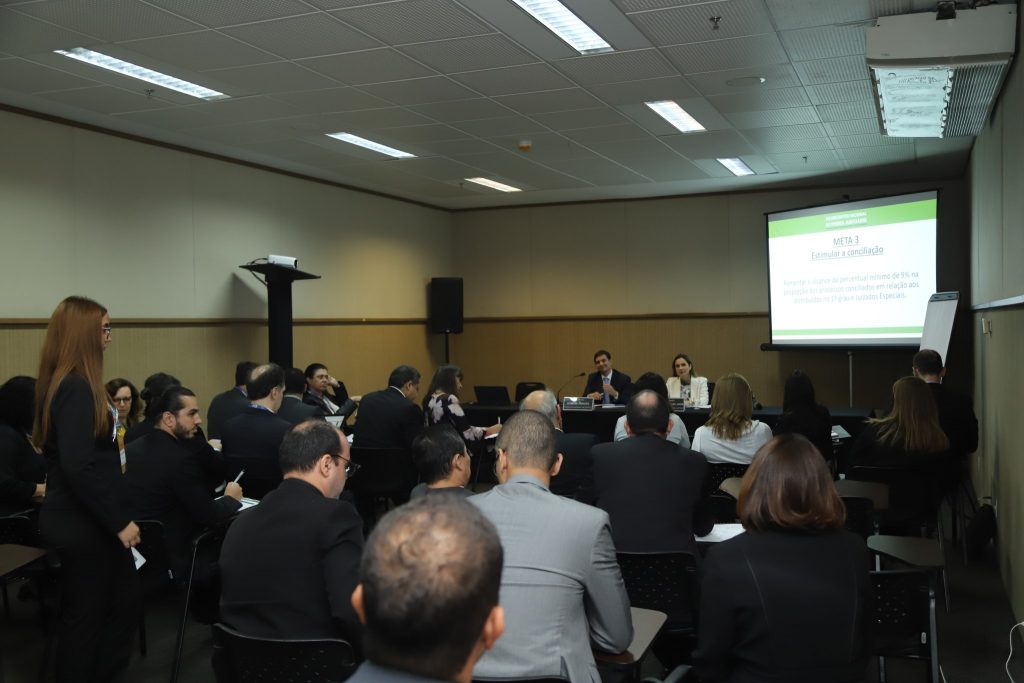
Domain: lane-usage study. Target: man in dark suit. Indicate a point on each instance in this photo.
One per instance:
(289, 565)
(390, 418)
(327, 393)
(607, 386)
(293, 409)
(252, 439)
(651, 488)
(165, 481)
(421, 630)
(573, 479)
(956, 412)
(226, 405)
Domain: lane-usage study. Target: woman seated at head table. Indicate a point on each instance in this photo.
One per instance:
(730, 435)
(685, 385)
(441, 405)
(22, 467)
(788, 600)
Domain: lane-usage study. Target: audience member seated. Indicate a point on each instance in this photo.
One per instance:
(125, 398)
(789, 599)
(326, 393)
(289, 565)
(652, 381)
(956, 412)
(561, 586)
(22, 467)
(253, 438)
(573, 479)
(390, 418)
(166, 483)
(230, 403)
(441, 405)
(686, 385)
(730, 435)
(429, 593)
(442, 460)
(293, 409)
(666, 477)
(155, 385)
(802, 414)
(607, 385)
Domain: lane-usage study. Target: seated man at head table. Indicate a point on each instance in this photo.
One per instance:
(607, 385)
(561, 586)
(289, 565)
(428, 596)
(442, 459)
(390, 418)
(226, 405)
(574, 474)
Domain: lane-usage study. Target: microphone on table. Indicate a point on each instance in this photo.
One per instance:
(558, 394)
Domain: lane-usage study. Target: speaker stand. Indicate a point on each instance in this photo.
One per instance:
(447, 353)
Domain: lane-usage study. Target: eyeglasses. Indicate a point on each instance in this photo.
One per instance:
(107, 329)
(350, 467)
(123, 400)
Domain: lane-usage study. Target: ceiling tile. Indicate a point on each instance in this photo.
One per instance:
(244, 133)
(650, 90)
(799, 162)
(175, 118)
(835, 70)
(823, 42)
(710, 144)
(615, 67)
(512, 125)
(419, 90)
(598, 171)
(627, 131)
(853, 127)
(717, 82)
(800, 132)
(111, 20)
(439, 168)
(844, 111)
(431, 132)
(867, 140)
(351, 120)
(862, 156)
(666, 169)
(756, 98)
(691, 24)
(216, 14)
(469, 54)
(581, 118)
(413, 21)
(330, 99)
(204, 50)
(309, 35)
(520, 171)
(735, 53)
(369, 66)
(546, 147)
(456, 148)
(23, 76)
(772, 117)
(513, 79)
(806, 145)
(551, 100)
(266, 79)
(22, 35)
(835, 93)
(462, 110)
(242, 109)
(640, 5)
(791, 14)
(105, 99)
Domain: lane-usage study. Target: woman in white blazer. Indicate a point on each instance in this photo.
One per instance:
(685, 385)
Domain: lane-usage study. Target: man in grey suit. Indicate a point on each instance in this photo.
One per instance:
(561, 587)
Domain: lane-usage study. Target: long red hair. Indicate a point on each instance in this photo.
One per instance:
(73, 345)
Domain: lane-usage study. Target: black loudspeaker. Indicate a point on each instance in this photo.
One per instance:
(444, 305)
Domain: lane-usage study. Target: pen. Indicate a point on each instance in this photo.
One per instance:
(239, 476)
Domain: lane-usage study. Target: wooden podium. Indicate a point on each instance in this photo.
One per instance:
(279, 281)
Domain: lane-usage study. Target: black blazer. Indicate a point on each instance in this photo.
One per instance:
(346, 406)
(223, 407)
(387, 419)
(289, 566)
(21, 468)
(956, 415)
(814, 422)
(251, 442)
(652, 490)
(785, 606)
(294, 410)
(165, 481)
(574, 479)
(621, 382)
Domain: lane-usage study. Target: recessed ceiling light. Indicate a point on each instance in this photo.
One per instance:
(371, 145)
(736, 166)
(494, 185)
(746, 81)
(140, 72)
(563, 23)
(676, 115)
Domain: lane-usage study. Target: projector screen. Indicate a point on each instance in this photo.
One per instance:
(852, 274)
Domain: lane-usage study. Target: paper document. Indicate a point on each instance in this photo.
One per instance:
(139, 559)
(721, 532)
(248, 503)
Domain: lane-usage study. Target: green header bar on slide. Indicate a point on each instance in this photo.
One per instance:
(854, 218)
(851, 330)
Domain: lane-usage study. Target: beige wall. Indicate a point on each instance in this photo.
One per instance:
(997, 250)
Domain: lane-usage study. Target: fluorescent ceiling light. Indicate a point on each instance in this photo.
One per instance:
(140, 72)
(566, 25)
(676, 115)
(371, 145)
(494, 185)
(736, 166)
(914, 103)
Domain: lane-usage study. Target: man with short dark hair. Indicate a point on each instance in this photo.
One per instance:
(428, 596)
(232, 402)
(442, 460)
(651, 488)
(251, 440)
(290, 564)
(956, 411)
(390, 418)
(573, 478)
(607, 386)
(293, 409)
(326, 393)
(561, 587)
(166, 483)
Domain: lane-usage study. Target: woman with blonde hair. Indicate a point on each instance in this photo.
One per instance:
(788, 600)
(730, 435)
(82, 517)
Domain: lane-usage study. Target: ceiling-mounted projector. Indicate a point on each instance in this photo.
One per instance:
(938, 78)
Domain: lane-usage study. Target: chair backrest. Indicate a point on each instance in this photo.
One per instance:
(384, 472)
(156, 574)
(860, 515)
(204, 574)
(239, 658)
(915, 493)
(523, 389)
(666, 582)
(19, 529)
(719, 472)
(904, 615)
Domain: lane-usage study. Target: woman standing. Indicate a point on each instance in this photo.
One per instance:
(82, 518)
(685, 385)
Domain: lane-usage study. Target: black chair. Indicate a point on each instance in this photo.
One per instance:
(915, 494)
(238, 658)
(860, 516)
(666, 582)
(155, 576)
(904, 619)
(19, 529)
(385, 478)
(525, 388)
(721, 504)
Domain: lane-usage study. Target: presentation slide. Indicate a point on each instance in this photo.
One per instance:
(852, 274)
